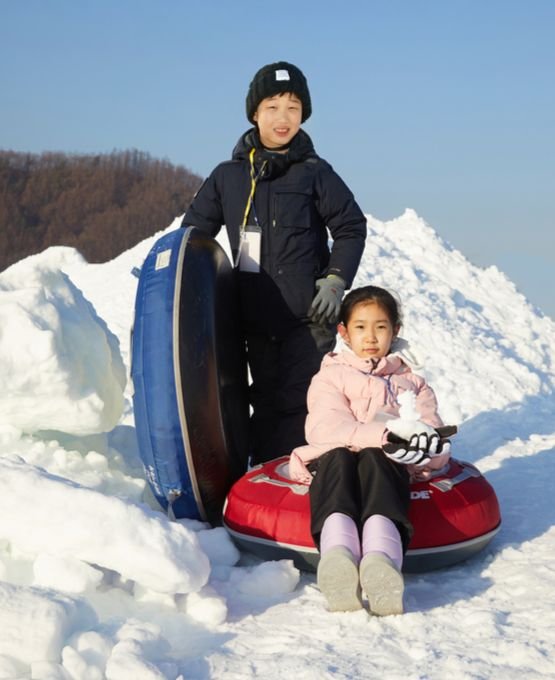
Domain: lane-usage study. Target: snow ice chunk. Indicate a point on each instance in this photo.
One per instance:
(85, 658)
(218, 546)
(60, 366)
(140, 653)
(142, 595)
(126, 665)
(269, 578)
(206, 607)
(48, 670)
(65, 573)
(146, 634)
(93, 647)
(8, 668)
(77, 667)
(34, 623)
(64, 519)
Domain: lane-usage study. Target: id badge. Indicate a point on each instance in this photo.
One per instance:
(249, 250)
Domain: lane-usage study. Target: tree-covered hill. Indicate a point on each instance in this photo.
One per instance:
(101, 204)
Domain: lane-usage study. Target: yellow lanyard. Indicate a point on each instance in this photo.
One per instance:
(254, 180)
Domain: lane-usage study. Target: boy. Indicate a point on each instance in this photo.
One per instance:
(276, 198)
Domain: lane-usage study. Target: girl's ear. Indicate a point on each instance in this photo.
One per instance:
(343, 332)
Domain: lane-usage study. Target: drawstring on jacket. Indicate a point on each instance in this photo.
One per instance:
(389, 393)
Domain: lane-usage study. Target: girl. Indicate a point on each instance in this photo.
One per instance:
(359, 479)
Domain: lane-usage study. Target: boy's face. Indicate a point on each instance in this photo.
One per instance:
(278, 119)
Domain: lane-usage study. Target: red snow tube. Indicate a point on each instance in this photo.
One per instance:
(455, 515)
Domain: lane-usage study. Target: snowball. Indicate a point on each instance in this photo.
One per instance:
(60, 366)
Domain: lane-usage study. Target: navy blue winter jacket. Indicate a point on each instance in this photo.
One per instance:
(297, 196)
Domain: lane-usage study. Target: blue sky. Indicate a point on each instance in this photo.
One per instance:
(443, 106)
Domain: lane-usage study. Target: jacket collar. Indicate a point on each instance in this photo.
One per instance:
(399, 360)
(301, 148)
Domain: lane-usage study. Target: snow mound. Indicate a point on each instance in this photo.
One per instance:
(60, 366)
(471, 328)
(70, 522)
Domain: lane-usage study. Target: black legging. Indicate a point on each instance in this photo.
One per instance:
(359, 485)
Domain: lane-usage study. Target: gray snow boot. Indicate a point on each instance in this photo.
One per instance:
(337, 578)
(383, 584)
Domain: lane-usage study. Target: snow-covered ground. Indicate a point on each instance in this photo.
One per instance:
(96, 583)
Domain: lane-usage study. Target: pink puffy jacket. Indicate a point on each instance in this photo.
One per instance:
(349, 401)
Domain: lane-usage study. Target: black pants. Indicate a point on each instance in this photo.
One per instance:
(281, 371)
(359, 485)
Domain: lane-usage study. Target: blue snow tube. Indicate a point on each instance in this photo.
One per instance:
(189, 375)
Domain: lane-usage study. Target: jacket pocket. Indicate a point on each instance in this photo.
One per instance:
(296, 284)
(293, 210)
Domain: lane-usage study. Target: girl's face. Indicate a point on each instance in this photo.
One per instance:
(369, 332)
(278, 119)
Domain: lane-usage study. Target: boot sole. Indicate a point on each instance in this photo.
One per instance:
(383, 585)
(338, 580)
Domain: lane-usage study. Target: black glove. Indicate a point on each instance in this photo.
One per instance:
(421, 448)
(327, 301)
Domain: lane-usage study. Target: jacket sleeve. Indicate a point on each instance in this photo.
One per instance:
(205, 212)
(346, 222)
(426, 405)
(331, 423)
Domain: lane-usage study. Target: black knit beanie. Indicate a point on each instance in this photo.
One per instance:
(274, 79)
